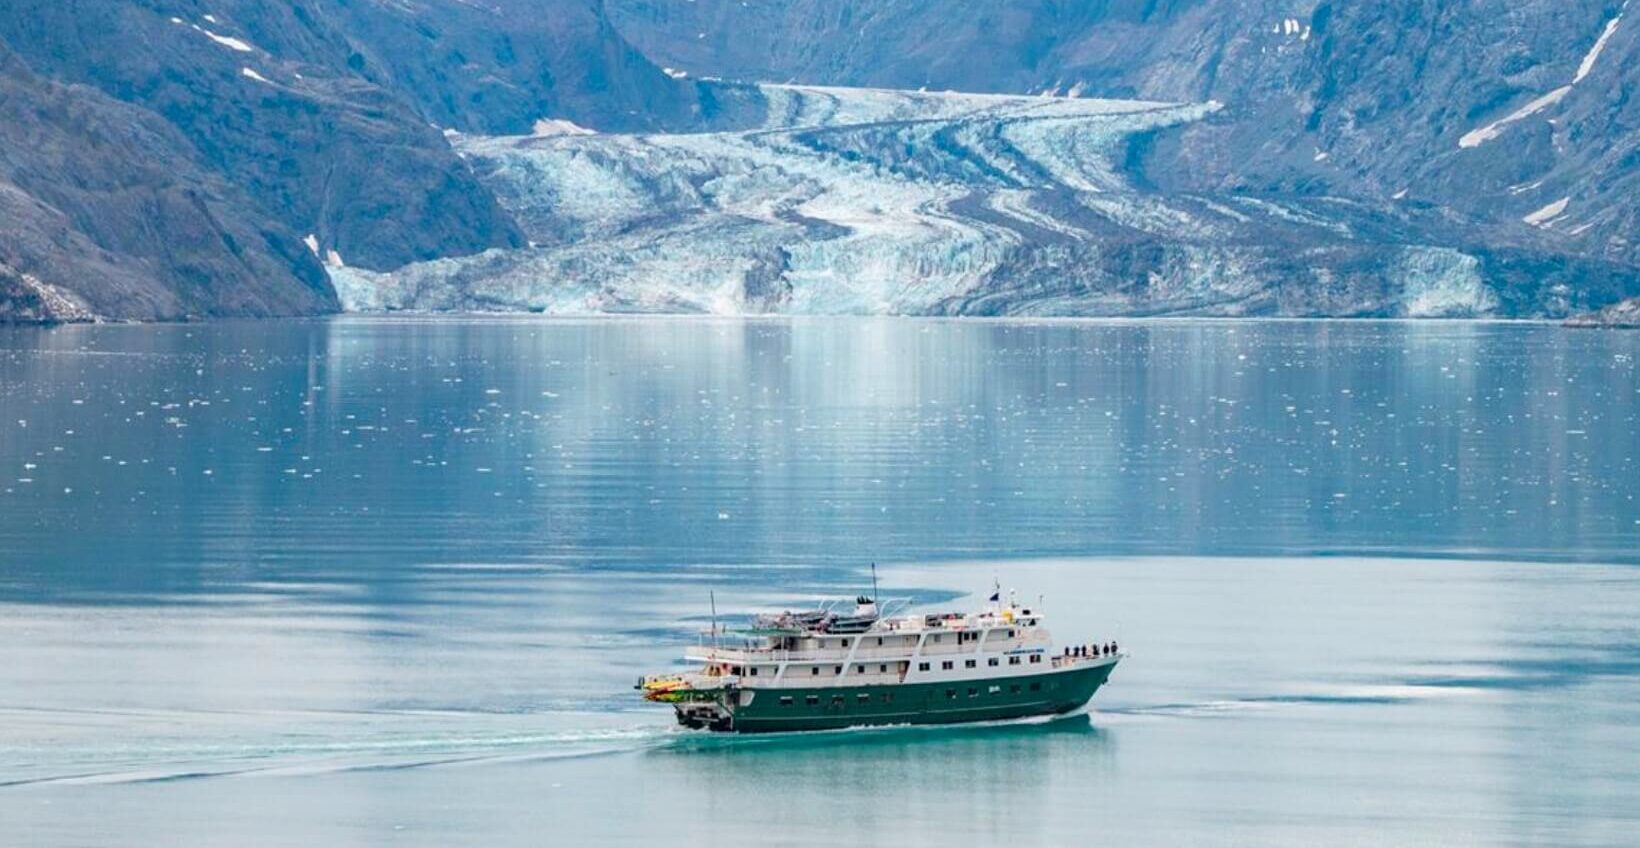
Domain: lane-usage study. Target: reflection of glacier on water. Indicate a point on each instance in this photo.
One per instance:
(864, 201)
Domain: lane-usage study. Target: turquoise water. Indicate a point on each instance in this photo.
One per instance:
(390, 581)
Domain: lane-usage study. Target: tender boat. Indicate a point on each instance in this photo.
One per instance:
(823, 668)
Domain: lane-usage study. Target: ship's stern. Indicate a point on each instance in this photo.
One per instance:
(705, 715)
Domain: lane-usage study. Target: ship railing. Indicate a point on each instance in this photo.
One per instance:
(764, 655)
(1062, 661)
(872, 653)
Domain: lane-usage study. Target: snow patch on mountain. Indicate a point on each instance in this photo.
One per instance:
(1477, 137)
(227, 41)
(1543, 217)
(1593, 55)
(1481, 135)
(557, 126)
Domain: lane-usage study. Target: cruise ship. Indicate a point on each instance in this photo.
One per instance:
(838, 666)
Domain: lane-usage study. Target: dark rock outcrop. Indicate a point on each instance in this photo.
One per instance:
(1623, 314)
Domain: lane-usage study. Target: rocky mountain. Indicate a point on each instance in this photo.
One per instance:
(499, 66)
(207, 157)
(1506, 110)
(109, 210)
(172, 158)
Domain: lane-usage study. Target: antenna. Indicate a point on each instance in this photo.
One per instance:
(874, 582)
(713, 596)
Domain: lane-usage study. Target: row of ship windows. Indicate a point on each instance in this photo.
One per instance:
(912, 640)
(888, 697)
(992, 661)
(882, 668)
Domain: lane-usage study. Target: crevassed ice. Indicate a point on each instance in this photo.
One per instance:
(863, 201)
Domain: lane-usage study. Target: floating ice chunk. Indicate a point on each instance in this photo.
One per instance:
(1547, 214)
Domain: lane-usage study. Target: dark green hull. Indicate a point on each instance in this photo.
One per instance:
(828, 708)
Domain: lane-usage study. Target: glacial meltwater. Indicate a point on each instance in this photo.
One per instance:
(390, 581)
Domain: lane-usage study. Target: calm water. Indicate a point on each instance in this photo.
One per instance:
(389, 582)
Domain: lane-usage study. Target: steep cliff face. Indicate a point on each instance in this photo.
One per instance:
(1499, 109)
(110, 211)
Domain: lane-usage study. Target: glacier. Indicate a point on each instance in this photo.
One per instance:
(874, 201)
